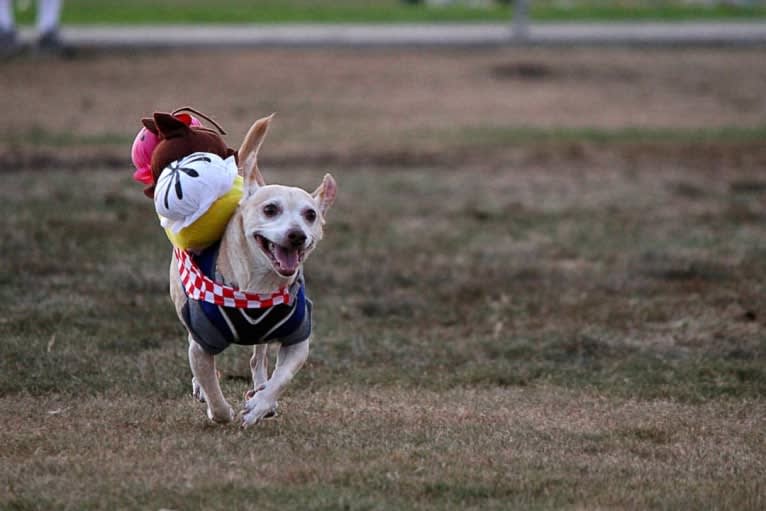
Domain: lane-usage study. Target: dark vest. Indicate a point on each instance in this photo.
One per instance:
(214, 327)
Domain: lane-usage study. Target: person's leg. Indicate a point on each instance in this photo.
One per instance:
(7, 25)
(48, 13)
(6, 16)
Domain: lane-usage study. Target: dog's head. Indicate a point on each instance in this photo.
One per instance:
(281, 224)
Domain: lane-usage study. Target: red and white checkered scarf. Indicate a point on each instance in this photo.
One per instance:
(201, 287)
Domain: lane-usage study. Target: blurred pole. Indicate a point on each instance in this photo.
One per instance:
(520, 23)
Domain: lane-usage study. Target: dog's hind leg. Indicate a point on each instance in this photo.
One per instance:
(203, 368)
(289, 361)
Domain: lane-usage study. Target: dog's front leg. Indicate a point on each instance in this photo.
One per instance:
(203, 368)
(259, 366)
(289, 361)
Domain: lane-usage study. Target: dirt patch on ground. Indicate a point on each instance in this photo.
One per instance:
(340, 101)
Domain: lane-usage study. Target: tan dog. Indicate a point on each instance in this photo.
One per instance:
(263, 249)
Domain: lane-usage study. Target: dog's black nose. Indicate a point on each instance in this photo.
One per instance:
(296, 238)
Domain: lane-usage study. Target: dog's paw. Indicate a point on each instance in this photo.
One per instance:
(258, 407)
(197, 391)
(221, 416)
(250, 394)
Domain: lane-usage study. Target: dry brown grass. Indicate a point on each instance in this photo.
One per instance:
(570, 323)
(388, 447)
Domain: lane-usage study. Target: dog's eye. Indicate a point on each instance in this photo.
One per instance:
(270, 210)
(310, 215)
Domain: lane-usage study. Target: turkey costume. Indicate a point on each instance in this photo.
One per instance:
(191, 175)
(193, 178)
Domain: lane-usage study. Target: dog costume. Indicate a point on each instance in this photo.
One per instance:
(192, 177)
(197, 218)
(217, 315)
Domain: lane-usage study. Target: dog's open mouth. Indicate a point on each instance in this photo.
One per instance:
(284, 260)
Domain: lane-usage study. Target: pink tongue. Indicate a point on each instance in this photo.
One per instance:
(288, 259)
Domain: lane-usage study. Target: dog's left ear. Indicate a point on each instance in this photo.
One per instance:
(325, 194)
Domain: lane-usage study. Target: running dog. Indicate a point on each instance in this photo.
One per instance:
(249, 288)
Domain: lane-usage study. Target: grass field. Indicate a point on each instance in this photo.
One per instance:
(541, 287)
(386, 11)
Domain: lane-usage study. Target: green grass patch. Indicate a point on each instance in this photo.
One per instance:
(378, 11)
(642, 11)
(267, 11)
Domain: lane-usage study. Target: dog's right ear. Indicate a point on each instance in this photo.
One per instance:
(169, 126)
(248, 154)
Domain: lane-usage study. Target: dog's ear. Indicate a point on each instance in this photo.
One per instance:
(169, 126)
(325, 194)
(248, 154)
(149, 124)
